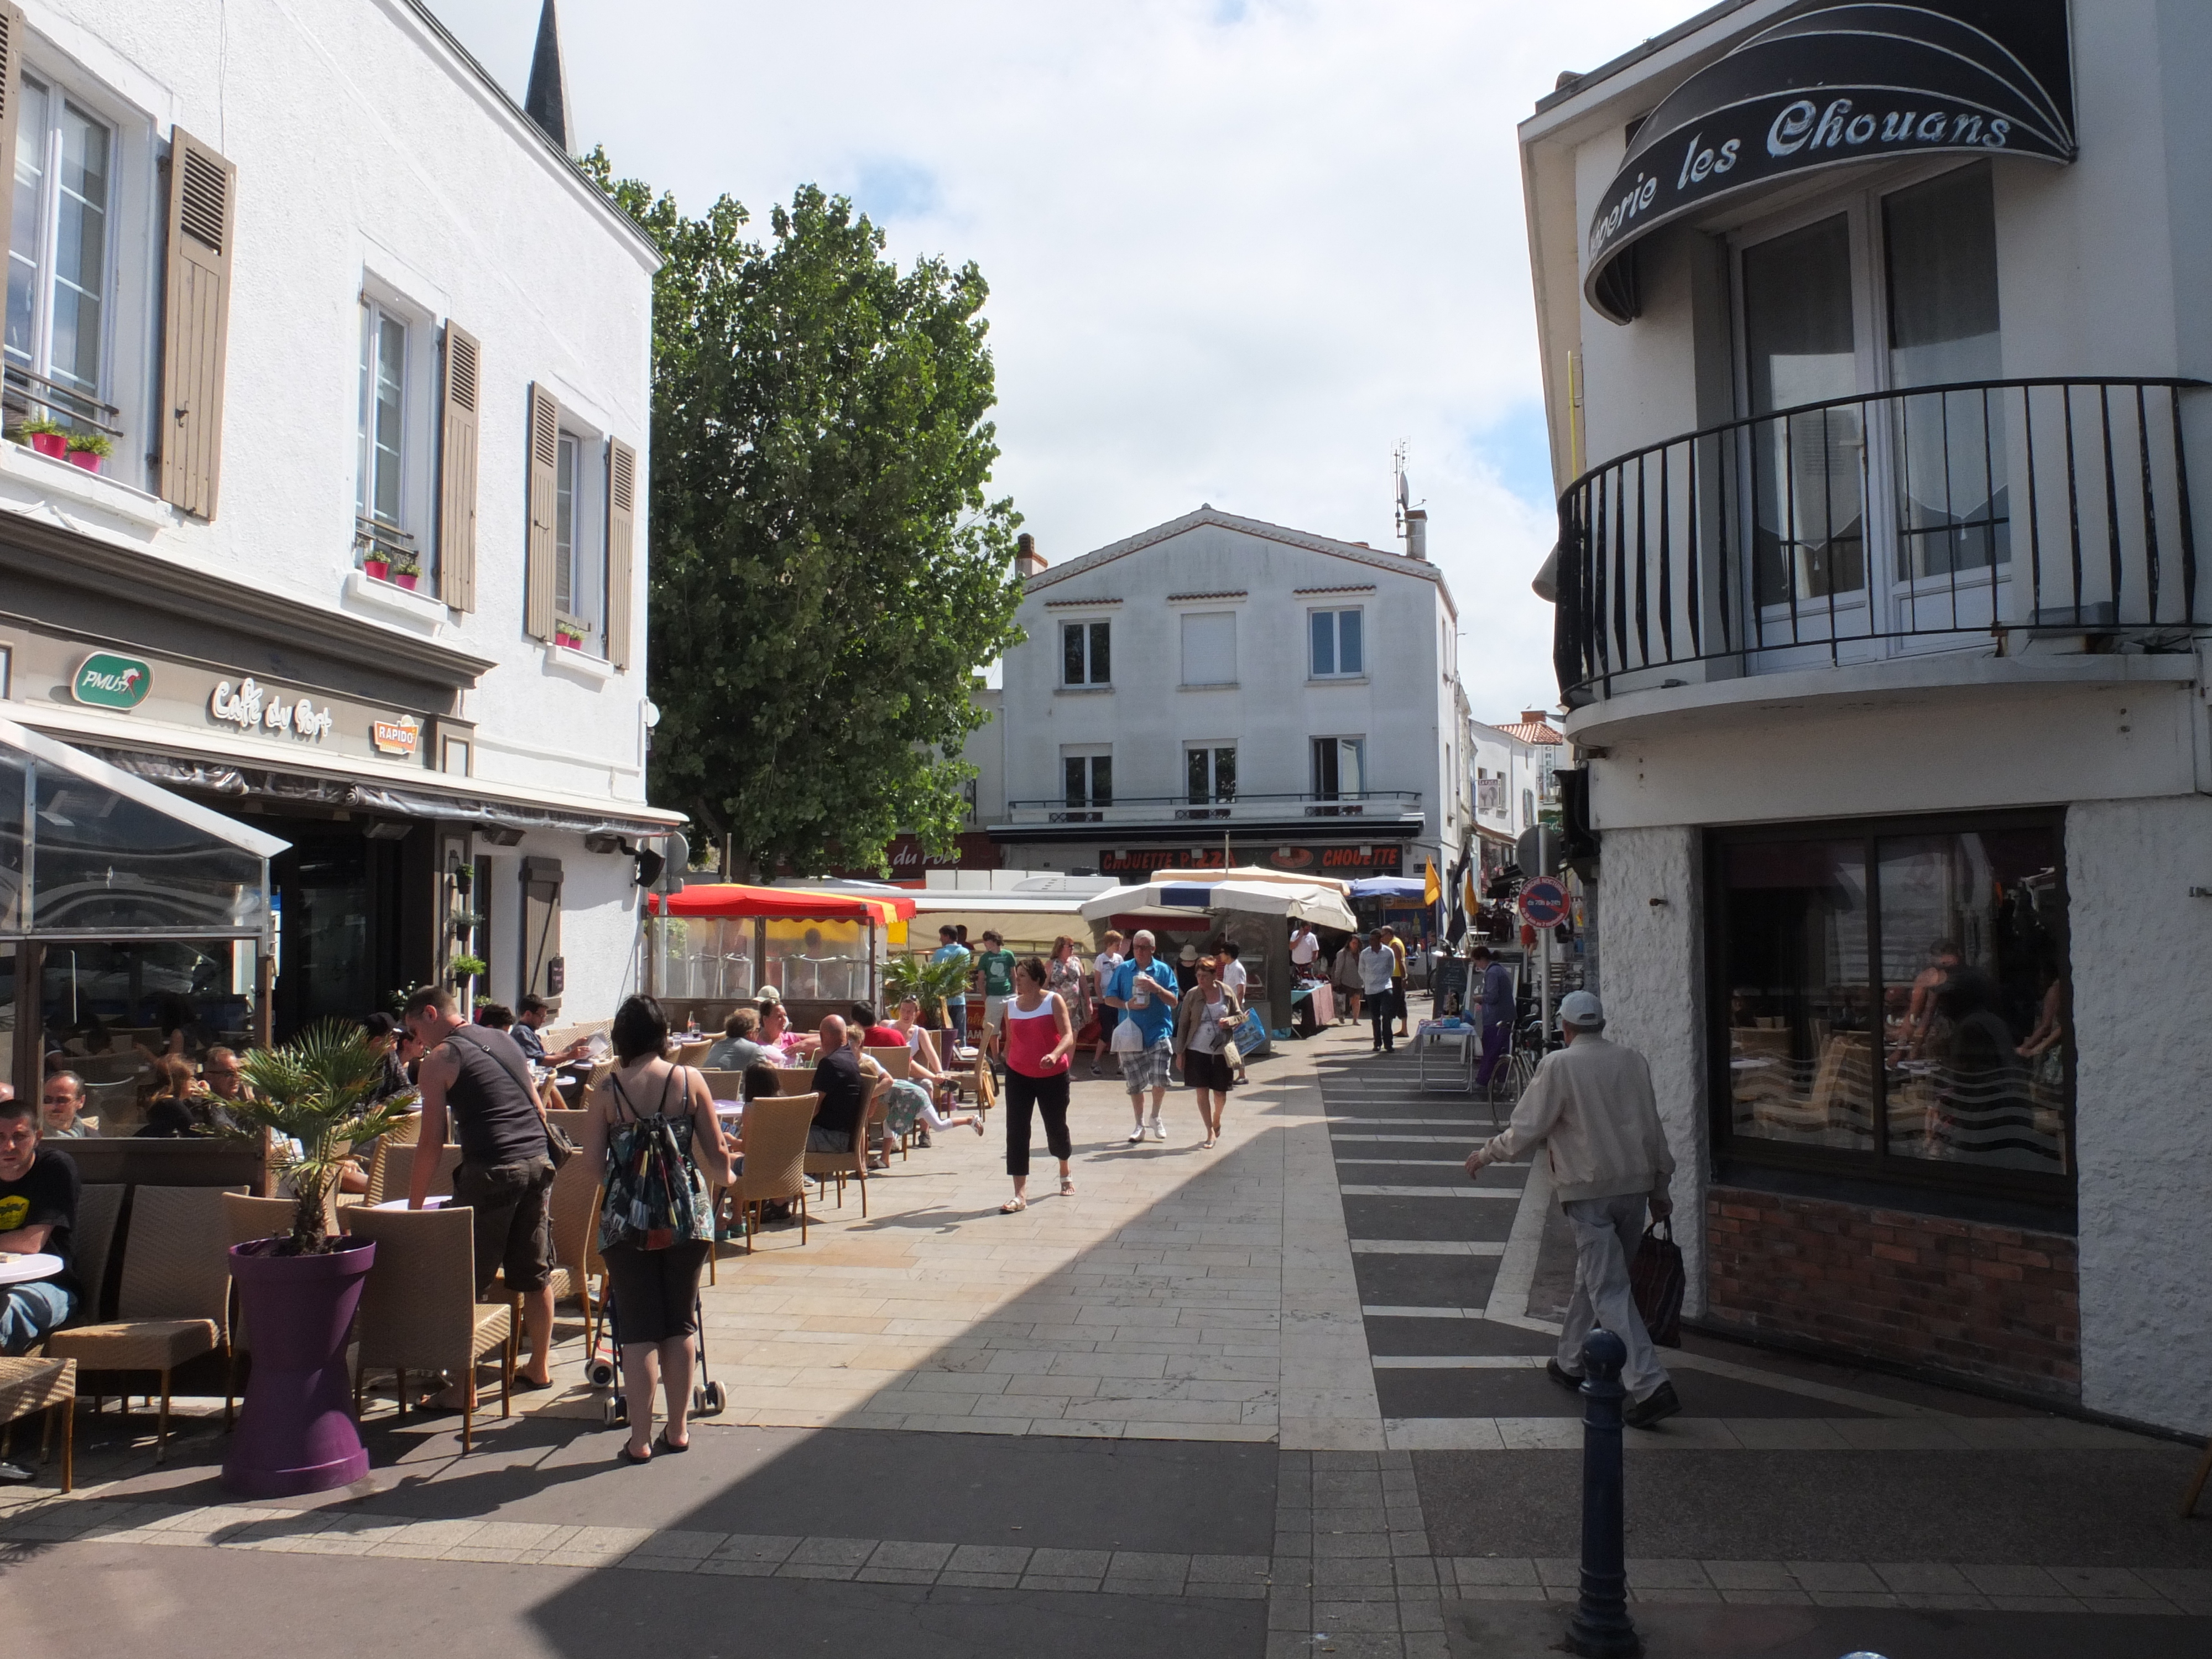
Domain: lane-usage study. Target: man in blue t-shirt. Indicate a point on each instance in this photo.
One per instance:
(1144, 989)
(1492, 992)
(950, 949)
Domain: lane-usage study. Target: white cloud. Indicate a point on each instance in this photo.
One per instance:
(1238, 249)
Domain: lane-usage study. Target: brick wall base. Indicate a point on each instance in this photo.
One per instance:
(1991, 1304)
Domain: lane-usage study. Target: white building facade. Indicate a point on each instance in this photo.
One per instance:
(1874, 356)
(364, 564)
(1217, 687)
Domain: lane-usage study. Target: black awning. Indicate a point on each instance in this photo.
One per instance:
(1829, 87)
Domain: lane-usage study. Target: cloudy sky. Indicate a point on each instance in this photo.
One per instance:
(1238, 250)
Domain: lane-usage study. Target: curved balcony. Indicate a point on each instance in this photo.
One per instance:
(2008, 514)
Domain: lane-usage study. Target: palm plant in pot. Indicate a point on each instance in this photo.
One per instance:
(929, 981)
(317, 1096)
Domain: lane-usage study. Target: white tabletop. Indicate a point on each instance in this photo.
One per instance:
(436, 1201)
(22, 1269)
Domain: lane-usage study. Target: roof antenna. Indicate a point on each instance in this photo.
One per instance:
(1412, 521)
(1399, 487)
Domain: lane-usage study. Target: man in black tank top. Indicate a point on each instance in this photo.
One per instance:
(479, 1076)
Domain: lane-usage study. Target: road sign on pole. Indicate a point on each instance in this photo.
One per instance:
(1543, 902)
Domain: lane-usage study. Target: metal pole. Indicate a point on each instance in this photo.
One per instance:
(1601, 1628)
(1544, 934)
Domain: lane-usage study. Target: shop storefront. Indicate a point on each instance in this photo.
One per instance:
(132, 923)
(348, 743)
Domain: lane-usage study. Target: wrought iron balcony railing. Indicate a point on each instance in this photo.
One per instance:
(1882, 524)
(25, 396)
(1242, 809)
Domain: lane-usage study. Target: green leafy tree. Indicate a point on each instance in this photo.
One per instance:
(828, 571)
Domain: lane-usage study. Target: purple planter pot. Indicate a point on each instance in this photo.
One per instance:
(296, 1432)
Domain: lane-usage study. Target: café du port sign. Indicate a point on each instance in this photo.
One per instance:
(1830, 85)
(251, 707)
(107, 681)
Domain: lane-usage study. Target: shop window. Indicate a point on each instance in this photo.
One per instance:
(1894, 1002)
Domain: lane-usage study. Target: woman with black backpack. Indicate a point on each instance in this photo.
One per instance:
(653, 1132)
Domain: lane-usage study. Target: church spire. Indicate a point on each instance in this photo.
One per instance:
(547, 101)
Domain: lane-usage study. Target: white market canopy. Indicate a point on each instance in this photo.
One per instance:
(1322, 906)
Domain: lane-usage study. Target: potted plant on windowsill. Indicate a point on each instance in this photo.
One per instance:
(89, 449)
(48, 437)
(570, 632)
(405, 571)
(376, 564)
(298, 1290)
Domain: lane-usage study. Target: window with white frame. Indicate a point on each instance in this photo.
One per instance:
(381, 493)
(1210, 774)
(1086, 779)
(579, 546)
(1086, 653)
(1339, 652)
(1340, 769)
(395, 463)
(60, 268)
(1209, 647)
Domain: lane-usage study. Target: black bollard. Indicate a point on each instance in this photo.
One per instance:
(1601, 1628)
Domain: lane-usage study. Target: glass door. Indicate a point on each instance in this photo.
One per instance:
(1808, 469)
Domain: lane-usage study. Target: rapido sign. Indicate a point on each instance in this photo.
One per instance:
(1829, 86)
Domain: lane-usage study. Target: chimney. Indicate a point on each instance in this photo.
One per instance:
(1535, 717)
(546, 101)
(1416, 533)
(1028, 562)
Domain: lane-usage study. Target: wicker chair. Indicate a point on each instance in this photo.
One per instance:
(393, 1168)
(899, 1062)
(724, 1085)
(574, 1220)
(99, 1207)
(175, 1302)
(853, 1161)
(776, 1158)
(985, 1085)
(419, 1309)
(44, 1384)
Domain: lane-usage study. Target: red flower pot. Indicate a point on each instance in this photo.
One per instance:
(405, 578)
(85, 458)
(50, 443)
(379, 569)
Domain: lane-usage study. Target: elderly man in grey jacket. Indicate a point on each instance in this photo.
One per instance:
(1590, 1104)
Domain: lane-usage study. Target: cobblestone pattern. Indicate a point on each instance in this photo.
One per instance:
(1351, 1561)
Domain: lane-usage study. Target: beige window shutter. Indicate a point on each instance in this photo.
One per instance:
(545, 485)
(203, 222)
(545, 971)
(622, 540)
(457, 471)
(12, 34)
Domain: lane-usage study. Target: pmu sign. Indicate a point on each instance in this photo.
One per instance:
(1543, 902)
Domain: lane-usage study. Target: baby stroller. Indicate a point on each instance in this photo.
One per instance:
(603, 1345)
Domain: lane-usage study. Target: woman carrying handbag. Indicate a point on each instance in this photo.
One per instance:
(653, 1132)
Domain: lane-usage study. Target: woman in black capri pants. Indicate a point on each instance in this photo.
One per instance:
(1039, 1038)
(646, 1104)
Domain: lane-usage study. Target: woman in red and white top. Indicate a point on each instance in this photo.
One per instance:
(1038, 1040)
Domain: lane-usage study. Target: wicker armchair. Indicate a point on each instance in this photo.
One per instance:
(419, 1309)
(99, 1208)
(393, 1169)
(174, 1301)
(48, 1385)
(983, 1084)
(853, 1163)
(776, 1158)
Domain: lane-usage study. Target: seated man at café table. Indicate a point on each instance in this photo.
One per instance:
(478, 1077)
(844, 1088)
(530, 1016)
(64, 1102)
(39, 1191)
(738, 1050)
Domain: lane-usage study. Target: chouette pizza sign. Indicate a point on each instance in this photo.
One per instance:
(1828, 86)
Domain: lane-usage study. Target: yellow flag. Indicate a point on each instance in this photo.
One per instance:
(1473, 903)
(1431, 888)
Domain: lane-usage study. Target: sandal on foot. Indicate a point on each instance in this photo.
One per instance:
(631, 1457)
(1013, 1207)
(978, 1123)
(662, 1444)
(1067, 1187)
